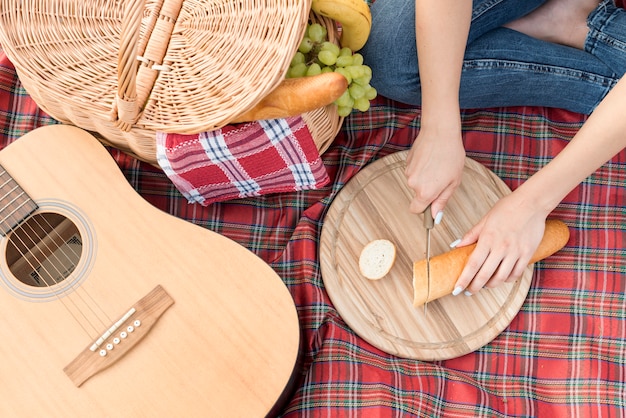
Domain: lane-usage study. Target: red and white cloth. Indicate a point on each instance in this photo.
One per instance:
(242, 160)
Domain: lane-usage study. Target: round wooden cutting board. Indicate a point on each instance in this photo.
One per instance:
(375, 204)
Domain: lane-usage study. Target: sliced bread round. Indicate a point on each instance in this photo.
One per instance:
(377, 258)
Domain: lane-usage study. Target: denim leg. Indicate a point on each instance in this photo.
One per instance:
(507, 68)
(391, 51)
(607, 36)
(491, 14)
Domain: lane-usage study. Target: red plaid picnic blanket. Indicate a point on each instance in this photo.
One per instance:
(242, 160)
(563, 355)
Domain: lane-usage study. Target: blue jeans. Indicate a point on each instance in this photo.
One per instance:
(502, 67)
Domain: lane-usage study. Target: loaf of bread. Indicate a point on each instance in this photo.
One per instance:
(377, 258)
(446, 268)
(295, 96)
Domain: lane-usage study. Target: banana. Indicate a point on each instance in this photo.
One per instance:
(353, 15)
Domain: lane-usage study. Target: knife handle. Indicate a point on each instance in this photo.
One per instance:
(429, 222)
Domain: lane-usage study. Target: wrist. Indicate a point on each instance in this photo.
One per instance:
(441, 122)
(531, 195)
(441, 112)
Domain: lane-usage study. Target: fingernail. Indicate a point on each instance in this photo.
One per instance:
(467, 293)
(457, 290)
(438, 217)
(455, 243)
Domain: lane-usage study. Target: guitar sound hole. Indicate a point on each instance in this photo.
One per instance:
(44, 250)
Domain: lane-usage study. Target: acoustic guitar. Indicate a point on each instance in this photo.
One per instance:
(112, 308)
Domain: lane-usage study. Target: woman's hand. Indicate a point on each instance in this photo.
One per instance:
(435, 163)
(508, 236)
(510, 233)
(434, 168)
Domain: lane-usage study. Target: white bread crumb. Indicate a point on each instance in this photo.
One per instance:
(377, 258)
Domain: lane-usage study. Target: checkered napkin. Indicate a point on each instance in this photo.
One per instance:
(242, 160)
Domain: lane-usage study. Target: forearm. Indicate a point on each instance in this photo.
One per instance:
(441, 28)
(601, 137)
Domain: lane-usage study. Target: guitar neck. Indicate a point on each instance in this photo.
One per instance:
(15, 204)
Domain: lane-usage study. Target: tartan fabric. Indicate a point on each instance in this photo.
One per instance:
(18, 113)
(563, 355)
(242, 160)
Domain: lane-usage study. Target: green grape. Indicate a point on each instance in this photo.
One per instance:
(306, 45)
(344, 61)
(345, 100)
(316, 32)
(356, 91)
(314, 69)
(344, 73)
(317, 55)
(356, 71)
(297, 59)
(370, 93)
(327, 57)
(362, 104)
(329, 46)
(358, 59)
(345, 52)
(344, 111)
(362, 81)
(298, 70)
(325, 36)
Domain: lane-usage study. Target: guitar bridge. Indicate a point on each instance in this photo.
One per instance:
(120, 337)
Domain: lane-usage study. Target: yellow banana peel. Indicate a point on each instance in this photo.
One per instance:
(353, 15)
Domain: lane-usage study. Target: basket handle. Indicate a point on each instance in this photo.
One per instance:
(139, 61)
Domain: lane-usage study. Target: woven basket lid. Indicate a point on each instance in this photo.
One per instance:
(172, 65)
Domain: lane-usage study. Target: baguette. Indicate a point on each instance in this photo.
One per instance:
(295, 96)
(446, 268)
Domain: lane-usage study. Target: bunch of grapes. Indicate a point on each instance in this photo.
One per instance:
(317, 55)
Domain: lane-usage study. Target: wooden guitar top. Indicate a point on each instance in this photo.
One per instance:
(133, 312)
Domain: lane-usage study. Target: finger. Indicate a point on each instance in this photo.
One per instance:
(484, 274)
(439, 203)
(471, 269)
(471, 236)
(418, 205)
(474, 262)
(422, 197)
(502, 273)
(518, 271)
(437, 209)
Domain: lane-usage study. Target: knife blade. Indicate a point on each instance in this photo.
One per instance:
(429, 222)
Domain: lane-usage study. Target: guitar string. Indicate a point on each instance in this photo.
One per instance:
(23, 255)
(78, 256)
(59, 273)
(13, 231)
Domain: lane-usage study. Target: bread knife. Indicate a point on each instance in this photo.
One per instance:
(428, 224)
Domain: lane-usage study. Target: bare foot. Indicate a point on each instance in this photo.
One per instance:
(558, 21)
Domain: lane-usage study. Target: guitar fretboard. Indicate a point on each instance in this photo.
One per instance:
(15, 204)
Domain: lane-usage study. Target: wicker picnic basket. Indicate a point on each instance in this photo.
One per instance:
(125, 69)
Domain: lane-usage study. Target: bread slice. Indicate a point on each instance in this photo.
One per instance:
(377, 258)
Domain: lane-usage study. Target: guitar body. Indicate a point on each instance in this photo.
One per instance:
(213, 330)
